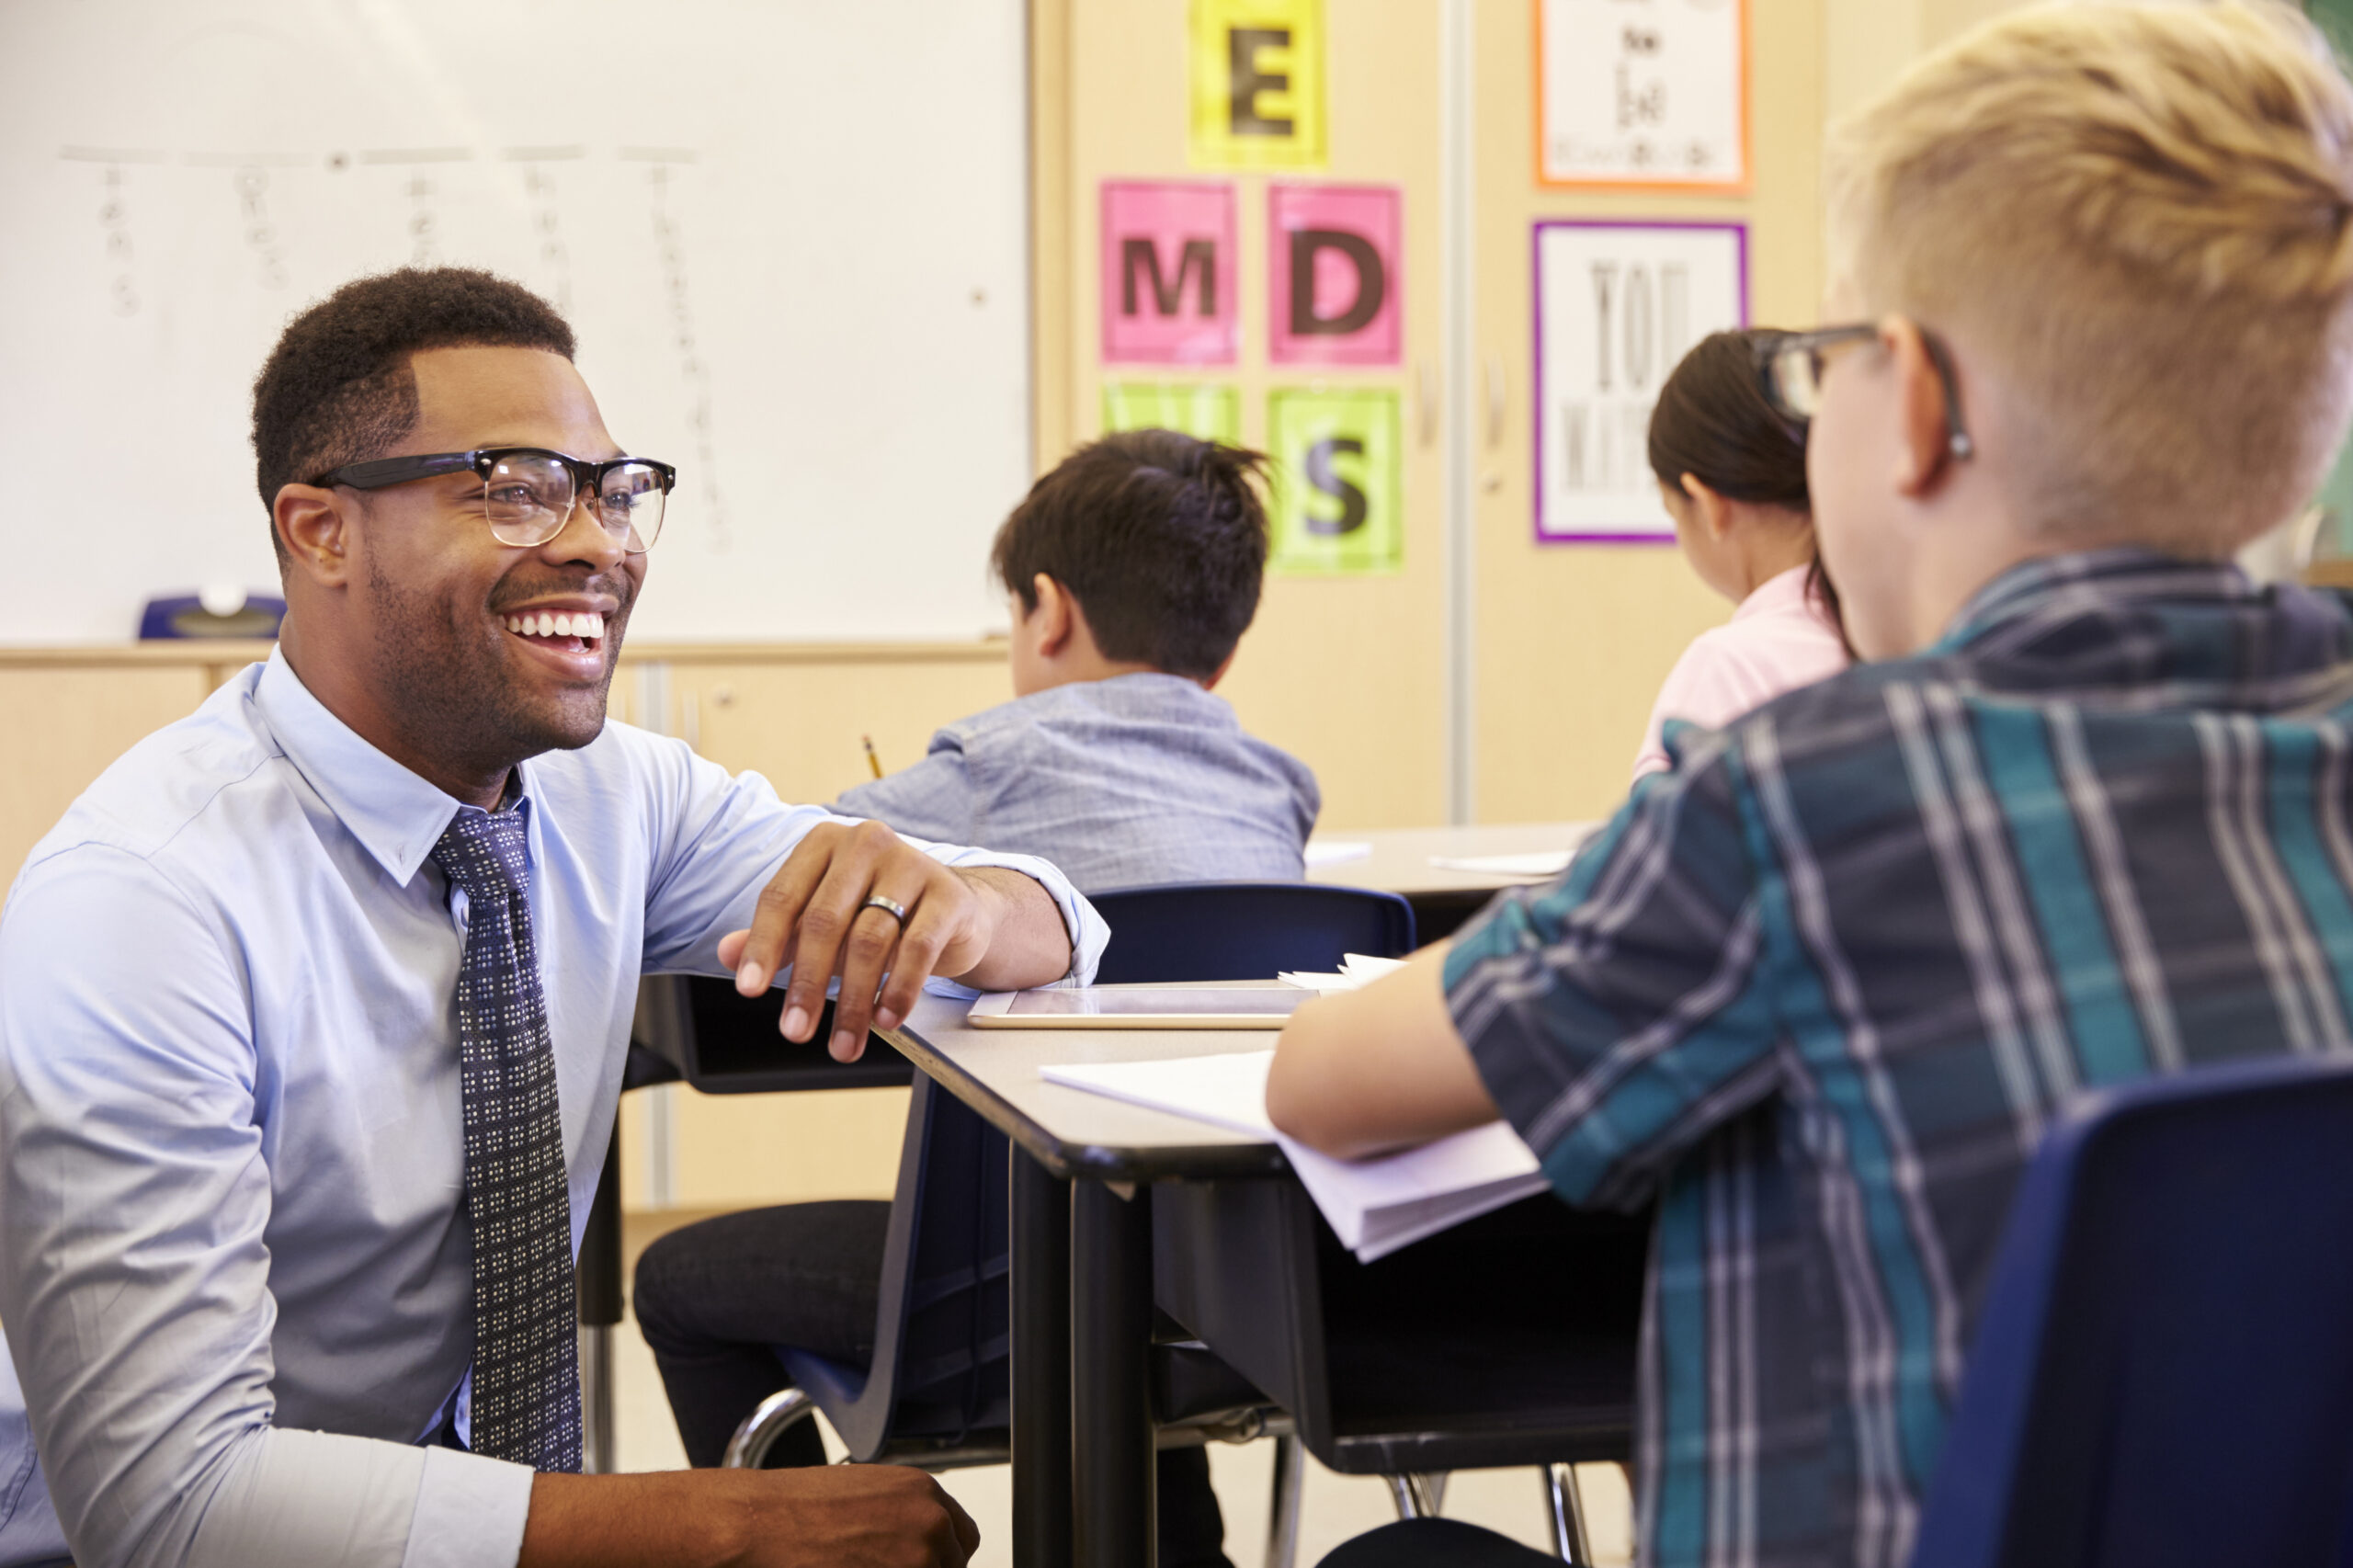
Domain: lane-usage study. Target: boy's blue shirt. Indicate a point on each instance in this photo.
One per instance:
(1820, 990)
(1125, 782)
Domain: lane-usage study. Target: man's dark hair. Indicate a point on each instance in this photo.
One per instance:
(338, 388)
(1160, 537)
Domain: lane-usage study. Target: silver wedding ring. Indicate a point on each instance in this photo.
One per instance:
(890, 906)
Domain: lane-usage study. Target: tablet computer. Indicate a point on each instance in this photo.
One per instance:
(1141, 1008)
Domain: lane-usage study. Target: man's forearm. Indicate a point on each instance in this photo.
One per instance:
(667, 1519)
(1032, 942)
(859, 1516)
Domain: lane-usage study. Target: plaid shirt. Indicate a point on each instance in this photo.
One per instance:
(1820, 990)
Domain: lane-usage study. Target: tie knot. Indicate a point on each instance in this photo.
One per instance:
(483, 852)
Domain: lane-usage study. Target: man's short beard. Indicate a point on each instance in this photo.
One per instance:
(447, 696)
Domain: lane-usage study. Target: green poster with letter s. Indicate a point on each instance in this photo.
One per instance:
(1339, 493)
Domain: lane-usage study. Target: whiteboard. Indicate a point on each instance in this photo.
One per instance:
(791, 237)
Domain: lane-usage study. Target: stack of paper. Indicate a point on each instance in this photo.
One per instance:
(1356, 970)
(1336, 851)
(1376, 1206)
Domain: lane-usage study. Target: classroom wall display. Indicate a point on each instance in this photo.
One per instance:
(1169, 273)
(1334, 295)
(1255, 72)
(1202, 410)
(767, 253)
(1338, 493)
(1617, 305)
(1643, 94)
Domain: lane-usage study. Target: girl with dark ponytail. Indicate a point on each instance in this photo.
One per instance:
(1733, 476)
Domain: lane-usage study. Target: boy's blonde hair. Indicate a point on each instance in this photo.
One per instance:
(2139, 219)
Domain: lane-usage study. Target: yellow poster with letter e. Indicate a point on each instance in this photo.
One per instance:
(1340, 492)
(1258, 85)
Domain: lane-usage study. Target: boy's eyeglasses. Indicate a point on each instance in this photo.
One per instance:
(1790, 366)
(527, 493)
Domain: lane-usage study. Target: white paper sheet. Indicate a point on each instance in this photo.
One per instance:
(1336, 851)
(1534, 863)
(1375, 1206)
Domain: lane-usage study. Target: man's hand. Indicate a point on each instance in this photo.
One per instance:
(855, 1516)
(813, 914)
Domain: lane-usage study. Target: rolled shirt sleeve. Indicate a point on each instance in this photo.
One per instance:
(1617, 1013)
(725, 827)
(133, 1272)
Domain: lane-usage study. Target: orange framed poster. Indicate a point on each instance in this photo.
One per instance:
(1642, 95)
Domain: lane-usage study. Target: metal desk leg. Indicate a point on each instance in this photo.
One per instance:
(1041, 1310)
(1114, 1473)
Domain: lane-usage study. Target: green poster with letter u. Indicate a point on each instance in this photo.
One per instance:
(1338, 494)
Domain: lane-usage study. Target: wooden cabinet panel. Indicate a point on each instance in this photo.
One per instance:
(1572, 640)
(66, 724)
(1345, 672)
(798, 724)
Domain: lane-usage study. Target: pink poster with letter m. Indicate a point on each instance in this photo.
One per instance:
(1169, 273)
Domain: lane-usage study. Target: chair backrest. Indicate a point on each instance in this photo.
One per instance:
(940, 1374)
(1187, 931)
(2164, 1371)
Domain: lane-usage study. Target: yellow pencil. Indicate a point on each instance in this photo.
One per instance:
(872, 761)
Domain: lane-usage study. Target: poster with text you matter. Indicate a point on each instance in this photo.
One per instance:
(1617, 305)
(1642, 95)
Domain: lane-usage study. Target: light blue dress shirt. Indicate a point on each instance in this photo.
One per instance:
(1124, 782)
(237, 1281)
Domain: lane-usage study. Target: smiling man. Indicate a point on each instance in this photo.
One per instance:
(313, 1009)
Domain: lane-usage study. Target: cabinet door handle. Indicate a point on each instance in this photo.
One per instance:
(1495, 391)
(1426, 397)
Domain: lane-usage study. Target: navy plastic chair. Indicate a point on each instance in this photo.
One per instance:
(937, 1394)
(1186, 931)
(2163, 1372)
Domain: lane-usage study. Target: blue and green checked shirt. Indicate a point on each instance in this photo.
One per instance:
(1820, 990)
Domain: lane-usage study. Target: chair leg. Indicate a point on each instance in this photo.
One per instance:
(596, 1419)
(1565, 1506)
(1418, 1496)
(748, 1448)
(1290, 1479)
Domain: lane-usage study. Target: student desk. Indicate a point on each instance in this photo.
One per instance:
(1082, 1290)
(1082, 1263)
(1442, 899)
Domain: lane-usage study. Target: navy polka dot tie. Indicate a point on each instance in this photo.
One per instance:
(527, 1350)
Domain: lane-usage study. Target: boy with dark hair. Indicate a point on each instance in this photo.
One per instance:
(1133, 570)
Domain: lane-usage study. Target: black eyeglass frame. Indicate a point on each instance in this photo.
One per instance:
(588, 478)
(1771, 346)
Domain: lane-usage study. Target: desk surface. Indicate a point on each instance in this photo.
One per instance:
(1071, 1131)
(1400, 861)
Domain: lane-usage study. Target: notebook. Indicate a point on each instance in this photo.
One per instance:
(1376, 1206)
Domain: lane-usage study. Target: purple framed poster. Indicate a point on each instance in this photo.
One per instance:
(1169, 269)
(1617, 305)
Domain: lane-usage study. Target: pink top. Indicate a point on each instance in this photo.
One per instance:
(1776, 641)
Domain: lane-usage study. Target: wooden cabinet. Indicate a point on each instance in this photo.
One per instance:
(1345, 672)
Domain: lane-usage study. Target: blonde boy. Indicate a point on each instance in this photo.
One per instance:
(1819, 991)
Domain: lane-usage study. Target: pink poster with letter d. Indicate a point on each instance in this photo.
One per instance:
(1333, 265)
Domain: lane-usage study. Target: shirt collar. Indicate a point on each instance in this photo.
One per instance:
(2124, 575)
(397, 816)
(1780, 591)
